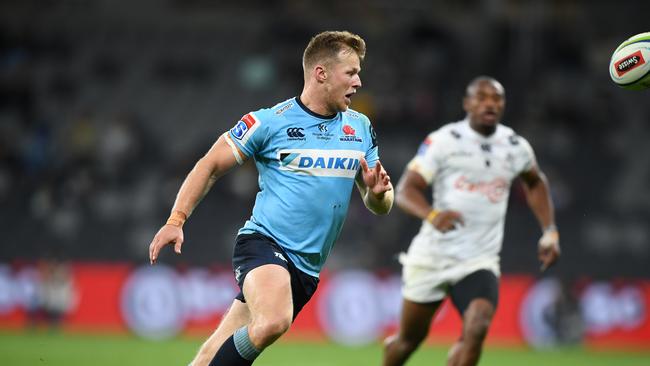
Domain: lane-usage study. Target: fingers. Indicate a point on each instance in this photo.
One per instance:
(548, 249)
(458, 218)
(377, 171)
(548, 257)
(364, 165)
(546, 264)
(543, 257)
(166, 235)
(386, 181)
(455, 219)
(378, 168)
(153, 250)
(446, 226)
(448, 220)
(376, 178)
(157, 244)
(384, 178)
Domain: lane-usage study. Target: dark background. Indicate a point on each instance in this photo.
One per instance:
(106, 105)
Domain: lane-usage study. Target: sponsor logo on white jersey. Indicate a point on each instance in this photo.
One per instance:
(495, 190)
(322, 163)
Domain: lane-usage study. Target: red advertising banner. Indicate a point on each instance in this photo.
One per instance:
(350, 307)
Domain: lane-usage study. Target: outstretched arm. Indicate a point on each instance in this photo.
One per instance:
(216, 162)
(375, 188)
(411, 198)
(539, 200)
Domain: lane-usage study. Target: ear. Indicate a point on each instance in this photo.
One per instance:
(466, 104)
(320, 73)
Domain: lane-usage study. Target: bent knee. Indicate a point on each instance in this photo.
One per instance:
(477, 327)
(477, 321)
(265, 331)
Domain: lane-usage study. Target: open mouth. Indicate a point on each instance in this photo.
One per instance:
(490, 114)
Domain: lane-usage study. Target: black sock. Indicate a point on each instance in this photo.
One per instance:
(229, 356)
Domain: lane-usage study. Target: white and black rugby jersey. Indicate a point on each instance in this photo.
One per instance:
(472, 174)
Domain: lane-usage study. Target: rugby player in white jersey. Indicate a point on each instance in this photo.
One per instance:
(471, 165)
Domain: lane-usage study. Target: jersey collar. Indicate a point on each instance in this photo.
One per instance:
(475, 133)
(312, 113)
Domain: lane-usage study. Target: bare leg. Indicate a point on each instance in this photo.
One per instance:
(236, 317)
(476, 323)
(267, 290)
(268, 312)
(414, 327)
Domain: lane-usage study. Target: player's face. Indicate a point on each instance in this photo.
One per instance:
(485, 104)
(343, 81)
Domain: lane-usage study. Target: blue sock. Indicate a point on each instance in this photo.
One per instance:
(244, 345)
(237, 350)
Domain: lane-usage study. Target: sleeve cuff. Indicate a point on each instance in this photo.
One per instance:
(235, 151)
(417, 167)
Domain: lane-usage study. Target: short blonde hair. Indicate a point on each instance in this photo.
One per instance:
(325, 46)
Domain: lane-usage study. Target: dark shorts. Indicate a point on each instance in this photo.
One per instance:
(480, 284)
(255, 250)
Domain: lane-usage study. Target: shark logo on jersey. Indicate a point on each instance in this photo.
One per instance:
(321, 163)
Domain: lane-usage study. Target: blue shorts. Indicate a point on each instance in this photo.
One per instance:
(255, 250)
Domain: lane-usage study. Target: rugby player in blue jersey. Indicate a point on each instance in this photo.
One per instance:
(309, 151)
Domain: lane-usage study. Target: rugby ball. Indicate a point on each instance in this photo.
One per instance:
(629, 67)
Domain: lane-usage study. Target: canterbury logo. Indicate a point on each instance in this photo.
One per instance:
(295, 132)
(279, 255)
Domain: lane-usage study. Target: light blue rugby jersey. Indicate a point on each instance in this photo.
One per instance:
(307, 164)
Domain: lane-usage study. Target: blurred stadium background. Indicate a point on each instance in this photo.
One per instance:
(106, 105)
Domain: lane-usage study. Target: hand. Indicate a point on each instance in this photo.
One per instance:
(447, 220)
(376, 179)
(168, 234)
(548, 248)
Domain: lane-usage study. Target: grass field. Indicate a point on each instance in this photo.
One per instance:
(50, 349)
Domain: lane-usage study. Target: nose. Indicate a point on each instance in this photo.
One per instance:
(356, 83)
(490, 103)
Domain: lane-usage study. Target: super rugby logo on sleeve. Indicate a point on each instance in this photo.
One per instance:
(424, 146)
(245, 128)
(321, 163)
